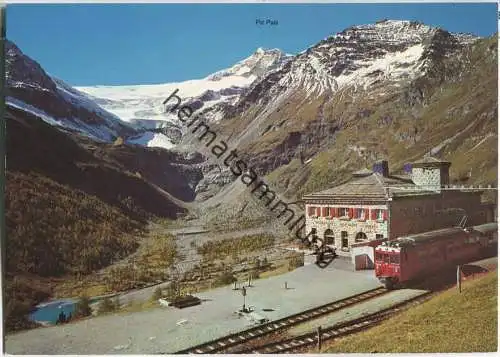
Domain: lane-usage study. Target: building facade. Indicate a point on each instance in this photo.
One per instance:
(376, 205)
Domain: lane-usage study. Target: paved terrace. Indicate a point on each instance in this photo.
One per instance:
(166, 329)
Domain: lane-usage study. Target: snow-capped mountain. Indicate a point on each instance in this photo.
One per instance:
(389, 89)
(136, 112)
(31, 89)
(378, 58)
(142, 105)
(299, 107)
(393, 90)
(257, 65)
(386, 54)
(369, 61)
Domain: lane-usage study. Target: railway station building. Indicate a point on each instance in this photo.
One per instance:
(376, 205)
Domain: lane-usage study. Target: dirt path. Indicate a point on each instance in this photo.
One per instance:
(187, 240)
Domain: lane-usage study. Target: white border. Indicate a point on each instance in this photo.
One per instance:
(243, 1)
(3, 4)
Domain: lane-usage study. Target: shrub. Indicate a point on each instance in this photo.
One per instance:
(157, 294)
(295, 262)
(264, 262)
(257, 265)
(15, 315)
(173, 290)
(20, 295)
(82, 308)
(222, 248)
(107, 305)
(225, 278)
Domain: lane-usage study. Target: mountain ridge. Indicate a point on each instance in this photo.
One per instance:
(392, 90)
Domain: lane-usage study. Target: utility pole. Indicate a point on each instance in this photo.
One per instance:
(459, 279)
(244, 293)
(318, 338)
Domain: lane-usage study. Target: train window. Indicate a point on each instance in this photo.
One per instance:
(386, 258)
(394, 258)
(378, 256)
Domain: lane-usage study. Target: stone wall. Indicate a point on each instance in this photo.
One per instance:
(429, 178)
(407, 215)
(352, 226)
(414, 214)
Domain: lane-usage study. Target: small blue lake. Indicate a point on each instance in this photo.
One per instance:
(49, 312)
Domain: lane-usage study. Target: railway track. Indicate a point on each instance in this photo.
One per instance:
(243, 337)
(298, 343)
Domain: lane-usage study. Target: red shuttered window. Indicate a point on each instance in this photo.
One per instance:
(311, 211)
(373, 214)
(325, 211)
(351, 212)
(318, 211)
(343, 212)
(359, 213)
(385, 215)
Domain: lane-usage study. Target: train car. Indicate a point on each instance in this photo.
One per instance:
(412, 257)
(487, 237)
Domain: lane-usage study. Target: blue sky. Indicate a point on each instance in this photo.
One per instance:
(117, 44)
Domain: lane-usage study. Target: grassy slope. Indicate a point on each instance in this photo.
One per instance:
(464, 101)
(69, 212)
(34, 146)
(450, 322)
(451, 108)
(54, 229)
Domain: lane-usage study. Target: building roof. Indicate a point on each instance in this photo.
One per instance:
(372, 186)
(431, 161)
(402, 176)
(362, 172)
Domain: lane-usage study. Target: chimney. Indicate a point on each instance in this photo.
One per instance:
(381, 167)
(407, 168)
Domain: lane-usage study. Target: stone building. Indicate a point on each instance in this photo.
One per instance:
(377, 205)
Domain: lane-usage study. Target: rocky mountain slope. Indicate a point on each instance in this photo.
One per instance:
(31, 89)
(360, 64)
(395, 90)
(80, 170)
(143, 181)
(75, 205)
(142, 105)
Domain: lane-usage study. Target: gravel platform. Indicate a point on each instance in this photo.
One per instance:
(167, 329)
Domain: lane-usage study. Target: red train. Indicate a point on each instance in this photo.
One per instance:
(416, 256)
